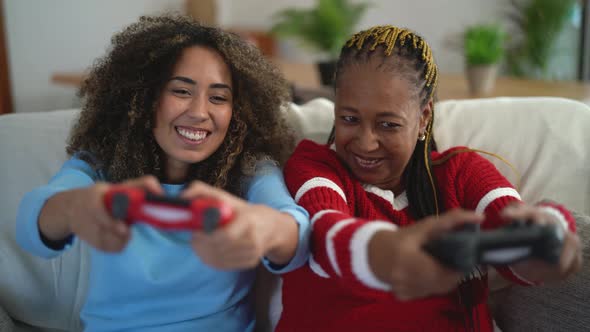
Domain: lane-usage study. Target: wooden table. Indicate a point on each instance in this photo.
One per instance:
(451, 86)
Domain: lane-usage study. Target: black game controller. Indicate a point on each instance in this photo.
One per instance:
(469, 247)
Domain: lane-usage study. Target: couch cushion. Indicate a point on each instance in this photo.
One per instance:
(312, 120)
(544, 138)
(6, 324)
(46, 293)
(563, 306)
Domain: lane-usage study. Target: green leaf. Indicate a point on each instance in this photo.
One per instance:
(538, 23)
(484, 44)
(324, 27)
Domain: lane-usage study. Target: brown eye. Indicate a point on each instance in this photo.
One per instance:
(218, 99)
(389, 125)
(349, 119)
(181, 92)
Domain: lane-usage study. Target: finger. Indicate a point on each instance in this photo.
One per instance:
(201, 189)
(103, 218)
(238, 230)
(571, 257)
(103, 239)
(519, 211)
(147, 182)
(120, 228)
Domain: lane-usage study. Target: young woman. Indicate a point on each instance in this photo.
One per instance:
(182, 109)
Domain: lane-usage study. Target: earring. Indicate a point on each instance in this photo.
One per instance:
(422, 137)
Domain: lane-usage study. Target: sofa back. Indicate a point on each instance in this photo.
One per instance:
(544, 138)
(46, 293)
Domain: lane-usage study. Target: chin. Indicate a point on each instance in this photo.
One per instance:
(368, 179)
(191, 158)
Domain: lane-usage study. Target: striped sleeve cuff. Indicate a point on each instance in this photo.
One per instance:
(360, 255)
(493, 195)
(558, 214)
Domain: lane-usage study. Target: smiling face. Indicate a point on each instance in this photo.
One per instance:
(194, 110)
(378, 120)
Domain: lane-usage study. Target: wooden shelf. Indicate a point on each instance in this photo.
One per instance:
(451, 86)
(454, 86)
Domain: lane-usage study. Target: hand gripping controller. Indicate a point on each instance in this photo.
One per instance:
(170, 213)
(468, 247)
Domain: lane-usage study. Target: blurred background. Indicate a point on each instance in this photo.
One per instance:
(45, 46)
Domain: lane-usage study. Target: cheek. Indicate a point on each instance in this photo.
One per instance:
(399, 147)
(223, 119)
(343, 135)
(167, 111)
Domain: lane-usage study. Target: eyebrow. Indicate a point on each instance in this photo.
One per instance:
(183, 79)
(380, 114)
(192, 82)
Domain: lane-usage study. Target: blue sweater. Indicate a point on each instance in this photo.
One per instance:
(157, 283)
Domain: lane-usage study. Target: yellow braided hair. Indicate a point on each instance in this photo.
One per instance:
(390, 36)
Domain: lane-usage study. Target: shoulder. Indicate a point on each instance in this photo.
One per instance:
(457, 156)
(312, 152)
(313, 165)
(310, 147)
(84, 162)
(313, 159)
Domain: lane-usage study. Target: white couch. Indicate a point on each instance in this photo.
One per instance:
(546, 139)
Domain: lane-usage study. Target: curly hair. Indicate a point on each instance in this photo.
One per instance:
(122, 91)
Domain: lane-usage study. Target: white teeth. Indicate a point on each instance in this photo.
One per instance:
(192, 135)
(365, 162)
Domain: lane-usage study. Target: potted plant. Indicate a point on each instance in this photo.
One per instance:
(324, 27)
(483, 47)
(536, 26)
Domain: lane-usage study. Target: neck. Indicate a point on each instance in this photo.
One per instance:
(176, 172)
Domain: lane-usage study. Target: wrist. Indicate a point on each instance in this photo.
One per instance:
(54, 221)
(380, 249)
(282, 238)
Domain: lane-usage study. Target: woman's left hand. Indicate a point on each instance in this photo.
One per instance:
(255, 231)
(537, 270)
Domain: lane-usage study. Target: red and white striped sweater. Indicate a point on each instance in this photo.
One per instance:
(336, 290)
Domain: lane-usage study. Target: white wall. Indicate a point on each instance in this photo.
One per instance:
(63, 35)
(439, 22)
(67, 35)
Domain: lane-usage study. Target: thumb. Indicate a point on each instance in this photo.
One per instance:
(200, 189)
(147, 182)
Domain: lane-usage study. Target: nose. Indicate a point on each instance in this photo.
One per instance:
(367, 139)
(198, 109)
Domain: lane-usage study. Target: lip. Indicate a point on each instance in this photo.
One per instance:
(188, 141)
(365, 163)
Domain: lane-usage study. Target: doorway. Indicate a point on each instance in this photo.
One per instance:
(5, 93)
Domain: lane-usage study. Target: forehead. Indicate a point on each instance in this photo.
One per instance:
(368, 86)
(201, 59)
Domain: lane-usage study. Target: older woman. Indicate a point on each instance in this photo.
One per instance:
(379, 191)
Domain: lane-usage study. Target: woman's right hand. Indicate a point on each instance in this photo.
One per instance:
(82, 212)
(398, 258)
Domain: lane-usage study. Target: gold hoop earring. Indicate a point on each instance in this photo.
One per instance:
(422, 137)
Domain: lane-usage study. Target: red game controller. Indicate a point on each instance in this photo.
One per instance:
(133, 205)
